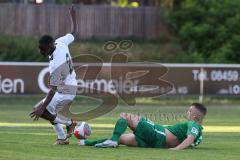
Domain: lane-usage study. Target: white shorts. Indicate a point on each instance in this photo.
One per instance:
(58, 102)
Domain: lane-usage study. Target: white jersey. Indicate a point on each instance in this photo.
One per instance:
(61, 69)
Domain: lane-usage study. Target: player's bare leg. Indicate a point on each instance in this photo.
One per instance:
(125, 120)
(70, 127)
(128, 139)
(62, 138)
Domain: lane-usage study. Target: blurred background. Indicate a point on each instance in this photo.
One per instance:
(179, 31)
(198, 40)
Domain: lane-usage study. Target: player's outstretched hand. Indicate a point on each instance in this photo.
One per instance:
(36, 113)
(35, 117)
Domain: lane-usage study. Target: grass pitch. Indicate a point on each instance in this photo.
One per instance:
(22, 139)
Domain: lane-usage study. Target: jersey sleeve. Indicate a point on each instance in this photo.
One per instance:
(193, 129)
(67, 39)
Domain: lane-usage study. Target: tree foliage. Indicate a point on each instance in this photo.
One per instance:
(209, 30)
(19, 48)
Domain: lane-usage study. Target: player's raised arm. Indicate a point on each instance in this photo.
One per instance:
(74, 28)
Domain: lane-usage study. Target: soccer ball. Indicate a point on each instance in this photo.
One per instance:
(82, 130)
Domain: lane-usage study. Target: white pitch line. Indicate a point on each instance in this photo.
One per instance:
(217, 129)
(7, 124)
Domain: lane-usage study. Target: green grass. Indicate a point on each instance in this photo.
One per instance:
(35, 142)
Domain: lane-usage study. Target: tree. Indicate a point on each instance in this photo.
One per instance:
(209, 29)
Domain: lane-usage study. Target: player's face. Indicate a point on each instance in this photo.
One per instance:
(193, 113)
(45, 50)
(190, 113)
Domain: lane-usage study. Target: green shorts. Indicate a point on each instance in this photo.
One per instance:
(149, 135)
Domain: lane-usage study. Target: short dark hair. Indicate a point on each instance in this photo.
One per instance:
(46, 40)
(200, 107)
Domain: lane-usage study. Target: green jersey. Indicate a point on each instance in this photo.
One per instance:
(182, 130)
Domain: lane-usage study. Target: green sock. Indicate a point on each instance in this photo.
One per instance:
(93, 142)
(119, 129)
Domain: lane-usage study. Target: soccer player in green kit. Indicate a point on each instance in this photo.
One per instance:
(147, 134)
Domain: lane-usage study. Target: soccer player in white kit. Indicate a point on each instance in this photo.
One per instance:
(63, 83)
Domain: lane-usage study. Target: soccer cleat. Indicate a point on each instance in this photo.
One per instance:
(107, 144)
(82, 142)
(62, 142)
(70, 129)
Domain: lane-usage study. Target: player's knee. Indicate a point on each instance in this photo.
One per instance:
(122, 140)
(133, 121)
(127, 116)
(123, 115)
(128, 139)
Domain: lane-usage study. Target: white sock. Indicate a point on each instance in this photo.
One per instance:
(67, 122)
(58, 128)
